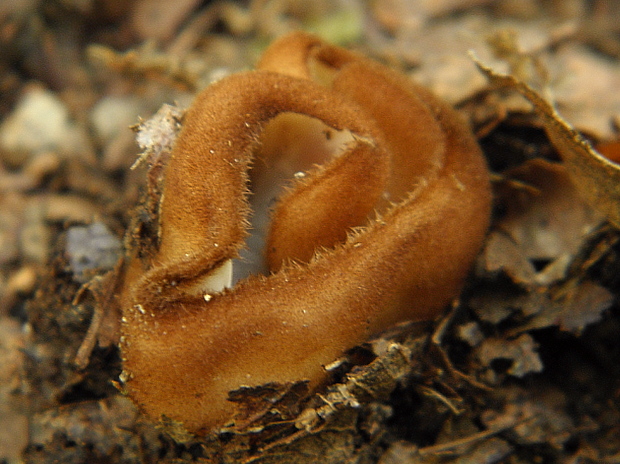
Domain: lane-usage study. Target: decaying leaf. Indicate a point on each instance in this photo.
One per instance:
(520, 352)
(574, 309)
(261, 404)
(596, 177)
(549, 219)
(539, 415)
(502, 254)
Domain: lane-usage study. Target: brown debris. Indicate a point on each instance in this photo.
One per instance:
(520, 352)
(596, 177)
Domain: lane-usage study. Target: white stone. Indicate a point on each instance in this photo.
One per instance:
(40, 122)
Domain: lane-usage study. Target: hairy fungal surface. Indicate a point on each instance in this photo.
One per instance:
(384, 206)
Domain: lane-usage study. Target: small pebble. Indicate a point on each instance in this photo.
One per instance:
(91, 248)
(40, 122)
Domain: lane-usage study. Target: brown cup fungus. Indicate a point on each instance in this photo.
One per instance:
(385, 205)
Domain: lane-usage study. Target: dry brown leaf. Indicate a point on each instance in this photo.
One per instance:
(549, 219)
(502, 254)
(580, 306)
(539, 414)
(596, 177)
(520, 351)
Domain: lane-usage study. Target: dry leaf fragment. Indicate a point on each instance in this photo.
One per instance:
(549, 219)
(538, 416)
(521, 352)
(579, 306)
(596, 177)
(545, 223)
